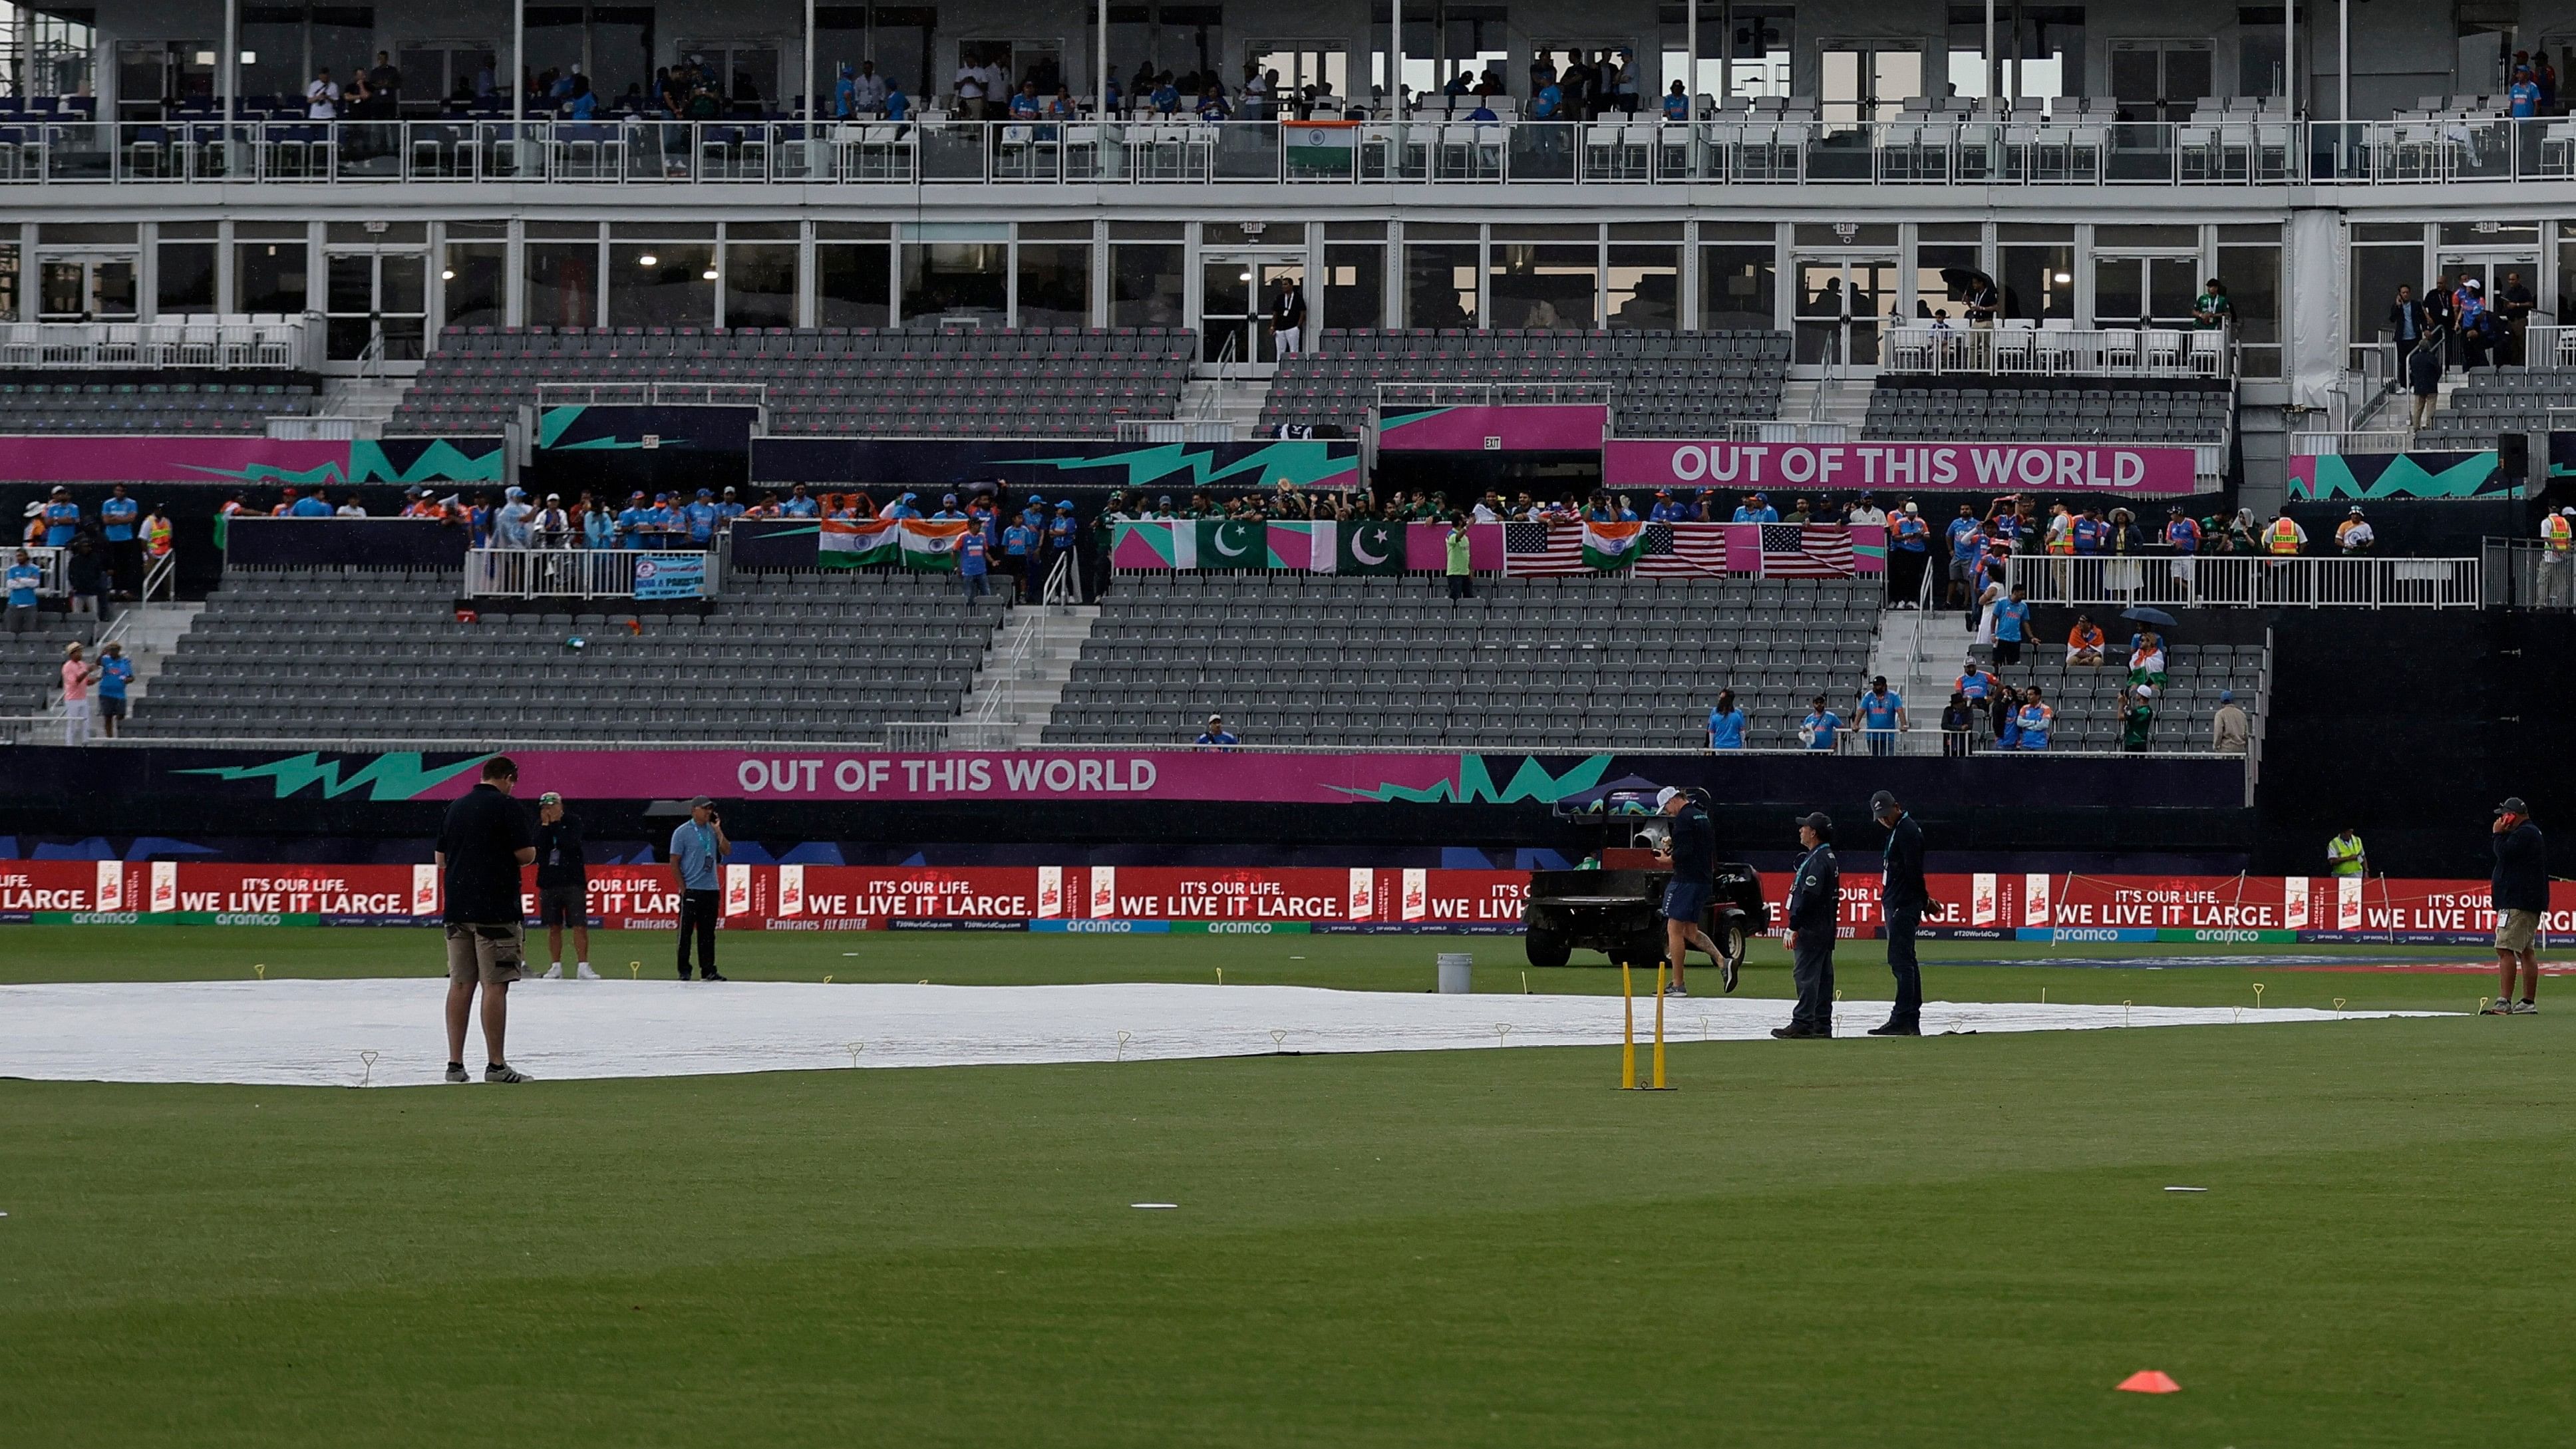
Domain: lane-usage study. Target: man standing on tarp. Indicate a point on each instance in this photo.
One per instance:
(1814, 916)
(1901, 899)
(1692, 847)
(2519, 893)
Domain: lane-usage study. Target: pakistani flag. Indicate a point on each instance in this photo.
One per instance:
(858, 544)
(1370, 548)
(1611, 546)
(1309, 546)
(929, 545)
(1228, 543)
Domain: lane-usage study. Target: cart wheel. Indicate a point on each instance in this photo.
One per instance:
(1546, 948)
(1731, 939)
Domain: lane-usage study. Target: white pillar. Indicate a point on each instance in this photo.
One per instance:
(230, 75)
(813, 76)
(1395, 57)
(1100, 77)
(519, 62)
(2343, 60)
(1994, 64)
(1690, 56)
(2290, 57)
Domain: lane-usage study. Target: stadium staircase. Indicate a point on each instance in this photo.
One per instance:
(1011, 699)
(1922, 654)
(1236, 402)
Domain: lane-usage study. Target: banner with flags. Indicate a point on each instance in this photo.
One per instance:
(1610, 546)
(913, 543)
(1793, 550)
(1368, 546)
(1295, 544)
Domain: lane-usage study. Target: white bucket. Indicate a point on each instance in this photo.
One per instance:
(1455, 968)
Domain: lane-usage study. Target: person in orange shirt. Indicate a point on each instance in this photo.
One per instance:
(2084, 642)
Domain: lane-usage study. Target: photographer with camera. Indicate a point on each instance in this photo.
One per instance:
(698, 847)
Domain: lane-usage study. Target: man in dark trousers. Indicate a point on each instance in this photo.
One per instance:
(1693, 851)
(698, 849)
(2520, 894)
(1815, 913)
(1901, 899)
(563, 886)
(480, 849)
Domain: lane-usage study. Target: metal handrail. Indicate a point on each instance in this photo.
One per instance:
(2250, 581)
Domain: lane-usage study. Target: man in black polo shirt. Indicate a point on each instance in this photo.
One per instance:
(480, 850)
(1815, 916)
(1901, 898)
(1693, 851)
(563, 886)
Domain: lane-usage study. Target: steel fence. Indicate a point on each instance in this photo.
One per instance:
(566, 573)
(2241, 581)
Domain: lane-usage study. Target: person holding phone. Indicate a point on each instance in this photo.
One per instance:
(698, 847)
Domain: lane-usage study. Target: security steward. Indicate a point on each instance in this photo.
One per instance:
(1815, 912)
(1901, 898)
(1693, 849)
(2344, 855)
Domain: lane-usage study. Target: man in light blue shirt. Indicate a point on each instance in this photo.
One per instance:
(1882, 714)
(311, 505)
(62, 519)
(698, 847)
(1820, 726)
(702, 517)
(24, 578)
(631, 521)
(116, 519)
(799, 504)
(1756, 509)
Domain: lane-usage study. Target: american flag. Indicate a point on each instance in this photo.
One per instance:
(1683, 551)
(1539, 550)
(1806, 551)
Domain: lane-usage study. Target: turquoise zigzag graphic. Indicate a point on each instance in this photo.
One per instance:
(440, 462)
(395, 776)
(1475, 786)
(553, 421)
(1299, 462)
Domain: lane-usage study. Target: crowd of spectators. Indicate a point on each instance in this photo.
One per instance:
(107, 550)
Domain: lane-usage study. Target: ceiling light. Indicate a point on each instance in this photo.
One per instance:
(447, 274)
(648, 260)
(708, 275)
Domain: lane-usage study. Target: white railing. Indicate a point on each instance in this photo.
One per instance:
(2376, 440)
(652, 394)
(2237, 580)
(1174, 430)
(565, 573)
(2549, 344)
(56, 562)
(1491, 394)
(234, 341)
(2047, 350)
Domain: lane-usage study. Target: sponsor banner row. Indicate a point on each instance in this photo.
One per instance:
(1071, 899)
(1901, 467)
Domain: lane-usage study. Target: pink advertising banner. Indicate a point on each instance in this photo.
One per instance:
(1031, 775)
(1931, 467)
(1532, 428)
(167, 459)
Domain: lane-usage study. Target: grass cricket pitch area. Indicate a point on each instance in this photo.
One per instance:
(1958, 1240)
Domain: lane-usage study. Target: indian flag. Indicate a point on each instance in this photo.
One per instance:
(859, 543)
(1613, 545)
(929, 545)
(1319, 148)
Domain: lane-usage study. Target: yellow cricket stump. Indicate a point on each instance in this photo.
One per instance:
(1628, 1029)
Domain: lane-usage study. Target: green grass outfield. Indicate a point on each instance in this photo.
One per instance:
(1960, 1241)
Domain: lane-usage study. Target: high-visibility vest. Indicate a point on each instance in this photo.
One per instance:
(2345, 858)
(2284, 536)
(2062, 541)
(2554, 532)
(156, 536)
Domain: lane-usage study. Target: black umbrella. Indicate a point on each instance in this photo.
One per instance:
(1961, 280)
(2157, 617)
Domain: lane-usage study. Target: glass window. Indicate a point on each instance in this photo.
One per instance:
(187, 280)
(1354, 291)
(2038, 281)
(957, 281)
(2488, 233)
(661, 284)
(2377, 273)
(1545, 287)
(853, 285)
(2119, 292)
(1145, 286)
(9, 283)
(2252, 276)
(270, 276)
(1440, 285)
(472, 275)
(1055, 284)
(1645, 288)
(1932, 290)
(1738, 288)
(563, 284)
(759, 285)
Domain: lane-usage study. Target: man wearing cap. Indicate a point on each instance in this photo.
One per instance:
(702, 517)
(698, 848)
(2519, 891)
(510, 524)
(481, 846)
(63, 519)
(1882, 715)
(2229, 729)
(1692, 848)
(729, 508)
(1063, 537)
(2354, 535)
(563, 886)
(1902, 896)
(1216, 736)
(1814, 915)
(553, 526)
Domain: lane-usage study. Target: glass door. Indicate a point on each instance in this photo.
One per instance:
(1235, 289)
(86, 288)
(1843, 303)
(370, 295)
(2160, 80)
(2145, 291)
(1869, 80)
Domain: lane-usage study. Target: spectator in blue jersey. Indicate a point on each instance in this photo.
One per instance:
(1063, 538)
(1665, 509)
(632, 521)
(311, 505)
(1548, 104)
(948, 510)
(1818, 729)
(1962, 540)
(1909, 538)
(115, 672)
(1726, 723)
(702, 518)
(898, 106)
(1019, 557)
(1975, 684)
(2090, 533)
(2522, 98)
(1216, 736)
(906, 506)
(1882, 715)
(24, 578)
(116, 523)
(2033, 721)
(1756, 509)
(801, 504)
(1166, 97)
(62, 519)
(974, 563)
(2012, 618)
(1676, 103)
(729, 508)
